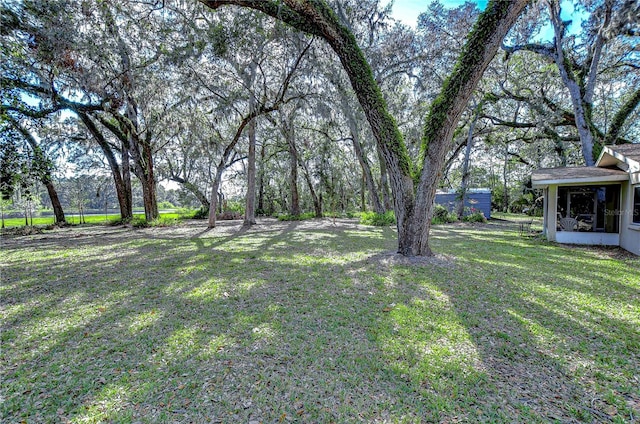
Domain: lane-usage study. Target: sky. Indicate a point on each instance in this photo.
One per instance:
(407, 11)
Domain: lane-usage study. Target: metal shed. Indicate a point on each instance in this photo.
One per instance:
(477, 198)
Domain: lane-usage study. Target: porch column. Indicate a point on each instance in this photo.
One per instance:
(545, 212)
(552, 215)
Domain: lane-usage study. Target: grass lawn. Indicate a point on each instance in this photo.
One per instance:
(314, 322)
(88, 219)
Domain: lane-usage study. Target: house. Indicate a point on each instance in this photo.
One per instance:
(598, 205)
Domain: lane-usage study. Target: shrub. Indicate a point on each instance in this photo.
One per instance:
(118, 221)
(228, 215)
(378, 219)
(474, 215)
(165, 204)
(233, 206)
(442, 216)
(344, 214)
(301, 217)
(164, 222)
(139, 222)
(202, 213)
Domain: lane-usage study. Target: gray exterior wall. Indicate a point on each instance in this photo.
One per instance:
(477, 199)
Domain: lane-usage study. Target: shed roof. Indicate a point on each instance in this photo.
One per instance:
(576, 175)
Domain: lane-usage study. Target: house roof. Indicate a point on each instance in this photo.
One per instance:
(615, 163)
(624, 156)
(576, 175)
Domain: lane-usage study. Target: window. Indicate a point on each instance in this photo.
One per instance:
(590, 208)
(636, 205)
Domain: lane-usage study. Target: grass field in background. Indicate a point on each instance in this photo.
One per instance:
(88, 219)
(315, 321)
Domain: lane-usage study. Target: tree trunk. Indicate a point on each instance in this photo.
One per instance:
(294, 207)
(193, 189)
(482, 43)
(581, 104)
(213, 209)
(250, 205)
(45, 177)
(144, 167)
(366, 174)
(464, 185)
(352, 123)
(413, 209)
(505, 187)
(55, 202)
(384, 182)
(317, 203)
(122, 181)
(263, 154)
(125, 193)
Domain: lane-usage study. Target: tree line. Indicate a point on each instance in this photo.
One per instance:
(318, 105)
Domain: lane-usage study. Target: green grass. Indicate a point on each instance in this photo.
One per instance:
(315, 322)
(89, 219)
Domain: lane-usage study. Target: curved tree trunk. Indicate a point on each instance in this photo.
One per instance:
(482, 44)
(122, 181)
(193, 189)
(58, 212)
(45, 177)
(352, 123)
(413, 208)
(384, 182)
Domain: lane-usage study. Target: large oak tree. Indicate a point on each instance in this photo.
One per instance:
(413, 183)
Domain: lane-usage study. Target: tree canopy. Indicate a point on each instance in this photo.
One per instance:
(325, 106)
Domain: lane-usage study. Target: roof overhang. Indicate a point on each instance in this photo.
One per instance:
(543, 178)
(610, 156)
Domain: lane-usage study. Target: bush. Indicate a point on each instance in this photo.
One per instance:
(187, 213)
(233, 206)
(118, 221)
(442, 216)
(228, 215)
(344, 214)
(473, 215)
(165, 204)
(202, 213)
(378, 219)
(301, 217)
(139, 222)
(164, 222)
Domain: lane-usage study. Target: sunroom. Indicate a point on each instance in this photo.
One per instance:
(597, 205)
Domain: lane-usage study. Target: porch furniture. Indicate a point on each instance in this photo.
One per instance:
(568, 224)
(585, 222)
(525, 227)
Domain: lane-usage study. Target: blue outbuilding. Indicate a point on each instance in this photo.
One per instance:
(476, 199)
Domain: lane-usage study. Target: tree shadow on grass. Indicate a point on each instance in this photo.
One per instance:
(287, 324)
(557, 331)
(172, 330)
